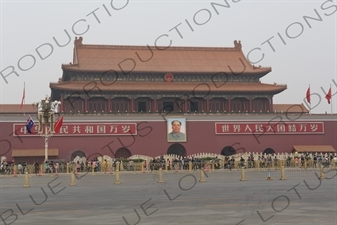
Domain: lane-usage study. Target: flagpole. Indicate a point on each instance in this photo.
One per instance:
(310, 101)
(24, 99)
(331, 102)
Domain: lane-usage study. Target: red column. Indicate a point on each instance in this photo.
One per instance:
(109, 104)
(250, 105)
(154, 104)
(62, 104)
(271, 105)
(132, 104)
(86, 104)
(207, 104)
(229, 105)
(186, 105)
(181, 104)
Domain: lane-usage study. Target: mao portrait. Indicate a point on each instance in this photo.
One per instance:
(176, 130)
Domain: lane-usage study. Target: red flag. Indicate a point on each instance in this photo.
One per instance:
(23, 96)
(58, 124)
(308, 95)
(328, 96)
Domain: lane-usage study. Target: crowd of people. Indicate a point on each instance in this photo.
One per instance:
(268, 161)
(6, 167)
(178, 163)
(317, 160)
(229, 162)
(89, 165)
(181, 163)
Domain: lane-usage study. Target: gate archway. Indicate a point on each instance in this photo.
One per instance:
(228, 151)
(123, 153)
(77, 153)
(269, 151)
(177, 149)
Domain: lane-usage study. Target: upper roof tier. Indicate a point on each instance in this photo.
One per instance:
(102, 58)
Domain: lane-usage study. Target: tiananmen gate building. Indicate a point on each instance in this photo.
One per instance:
(125, 100)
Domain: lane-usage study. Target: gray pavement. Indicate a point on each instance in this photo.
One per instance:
(181, 199)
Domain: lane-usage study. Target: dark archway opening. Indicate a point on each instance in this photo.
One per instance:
(194, 106)
(269, 151)
(123, 153)
(141, 106)
(77, 153)
(228, 151)
(168, 106)
(177, 149)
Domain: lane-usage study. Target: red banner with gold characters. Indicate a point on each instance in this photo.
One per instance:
(269, 128)
(83, 129)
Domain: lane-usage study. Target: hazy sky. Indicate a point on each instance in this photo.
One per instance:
(300, 50)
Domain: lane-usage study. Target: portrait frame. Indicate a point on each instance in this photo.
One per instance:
(176, 137)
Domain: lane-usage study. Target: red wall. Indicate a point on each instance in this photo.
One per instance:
(151, 140)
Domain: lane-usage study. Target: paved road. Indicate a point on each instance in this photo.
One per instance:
(181, 199)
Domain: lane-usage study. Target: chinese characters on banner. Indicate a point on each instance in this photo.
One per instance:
(83, 129)
(270, 128)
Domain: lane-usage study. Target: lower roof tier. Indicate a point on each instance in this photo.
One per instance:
(195, 87)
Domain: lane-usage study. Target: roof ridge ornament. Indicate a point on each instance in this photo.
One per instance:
(78, 41)
(237, 45)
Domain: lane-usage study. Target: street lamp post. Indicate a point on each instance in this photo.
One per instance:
(46, 111)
